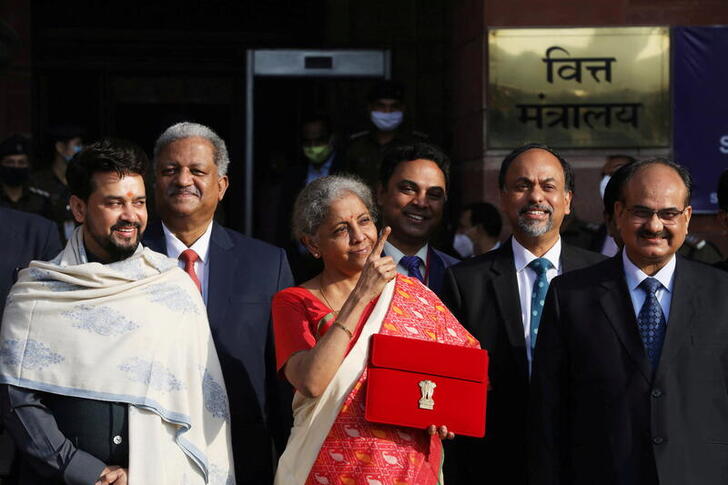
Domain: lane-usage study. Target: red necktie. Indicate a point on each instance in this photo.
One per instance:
(189, 256)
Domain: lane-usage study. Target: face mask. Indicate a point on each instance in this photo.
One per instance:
(14, 176)
(76, 149)
(463, 245)
(387, 121)
(317, 154)
(603, 184)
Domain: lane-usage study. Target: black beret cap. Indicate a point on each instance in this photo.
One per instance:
(15, 145)
(387, 90)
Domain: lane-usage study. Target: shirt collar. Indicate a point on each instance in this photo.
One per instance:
(522, 256)
(635, 276)
(396, 254)
(324, 167)
(175, 246)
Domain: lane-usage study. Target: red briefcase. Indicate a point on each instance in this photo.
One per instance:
(417, 383)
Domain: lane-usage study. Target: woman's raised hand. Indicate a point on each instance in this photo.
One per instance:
(378, 270)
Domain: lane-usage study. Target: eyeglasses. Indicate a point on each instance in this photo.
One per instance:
(644, 214)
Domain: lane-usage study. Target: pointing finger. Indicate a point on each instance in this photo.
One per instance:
(379, 246)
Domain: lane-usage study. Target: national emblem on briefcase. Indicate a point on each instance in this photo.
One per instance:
(427, 389)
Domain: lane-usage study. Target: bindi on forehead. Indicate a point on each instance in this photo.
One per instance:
(130, 194)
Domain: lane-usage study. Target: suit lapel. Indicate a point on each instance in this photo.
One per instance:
(570, 259)
(220, 277)
(154, 238)
(437, 271)
(617, 306)
(682, 309)
(505, 286)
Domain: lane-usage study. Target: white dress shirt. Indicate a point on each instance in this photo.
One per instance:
(635, 276)
(609, 247)
(201, 247)
(397, 255)
(527, 278)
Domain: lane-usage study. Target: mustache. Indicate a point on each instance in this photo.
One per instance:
(191, 190)
(417, 212)
(542, 207)
(125, 225)
(649, 234)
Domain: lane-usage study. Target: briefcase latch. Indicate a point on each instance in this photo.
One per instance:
(427, 389)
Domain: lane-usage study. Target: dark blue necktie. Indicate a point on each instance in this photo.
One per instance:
(651, 321)
(412, 264)
(540, 287)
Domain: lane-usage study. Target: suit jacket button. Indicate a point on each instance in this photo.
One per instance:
(658, 440)
(117, 439)
(656, 393)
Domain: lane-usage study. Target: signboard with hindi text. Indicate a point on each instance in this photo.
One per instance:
(579, 87)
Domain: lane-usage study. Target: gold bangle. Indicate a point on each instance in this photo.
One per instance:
(348, 332)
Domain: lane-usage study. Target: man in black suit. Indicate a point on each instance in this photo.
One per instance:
(631, 367)
(25, 237)
(495, 296)
(411, 193)
(237, 276)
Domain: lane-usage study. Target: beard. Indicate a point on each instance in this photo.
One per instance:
(118, 250)
(535, 228)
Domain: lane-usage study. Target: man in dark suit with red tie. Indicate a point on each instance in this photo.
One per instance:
(631, 367)
(498, 297)
(237, 276)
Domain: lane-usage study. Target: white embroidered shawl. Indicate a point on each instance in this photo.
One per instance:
(135, 332)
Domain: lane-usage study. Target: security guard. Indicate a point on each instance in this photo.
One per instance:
(386, 113)
(66, 141)
(15, 190)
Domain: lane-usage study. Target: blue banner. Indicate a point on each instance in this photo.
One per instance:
(700, 120)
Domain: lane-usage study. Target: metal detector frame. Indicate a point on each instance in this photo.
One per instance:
(349, 63)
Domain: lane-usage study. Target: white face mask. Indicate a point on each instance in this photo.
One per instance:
(603, 184)
(387, 121)
(463, 245)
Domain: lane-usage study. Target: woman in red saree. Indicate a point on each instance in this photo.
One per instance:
(322, 332)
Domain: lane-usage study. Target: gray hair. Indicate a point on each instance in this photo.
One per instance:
(188, 129)
(313, 203)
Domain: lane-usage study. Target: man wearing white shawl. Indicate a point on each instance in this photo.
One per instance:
(108, 372)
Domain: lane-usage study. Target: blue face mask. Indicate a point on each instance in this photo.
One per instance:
(387, 121)
(76, 149)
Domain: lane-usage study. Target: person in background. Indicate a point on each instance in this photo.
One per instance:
(366, 149)
(16, 192)
(237, 277)
(66, 141)
(322, 330)
(498, 297)
(320, 155)
(595, 236)
(411, 193)
(628, 385)
(479, 228)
